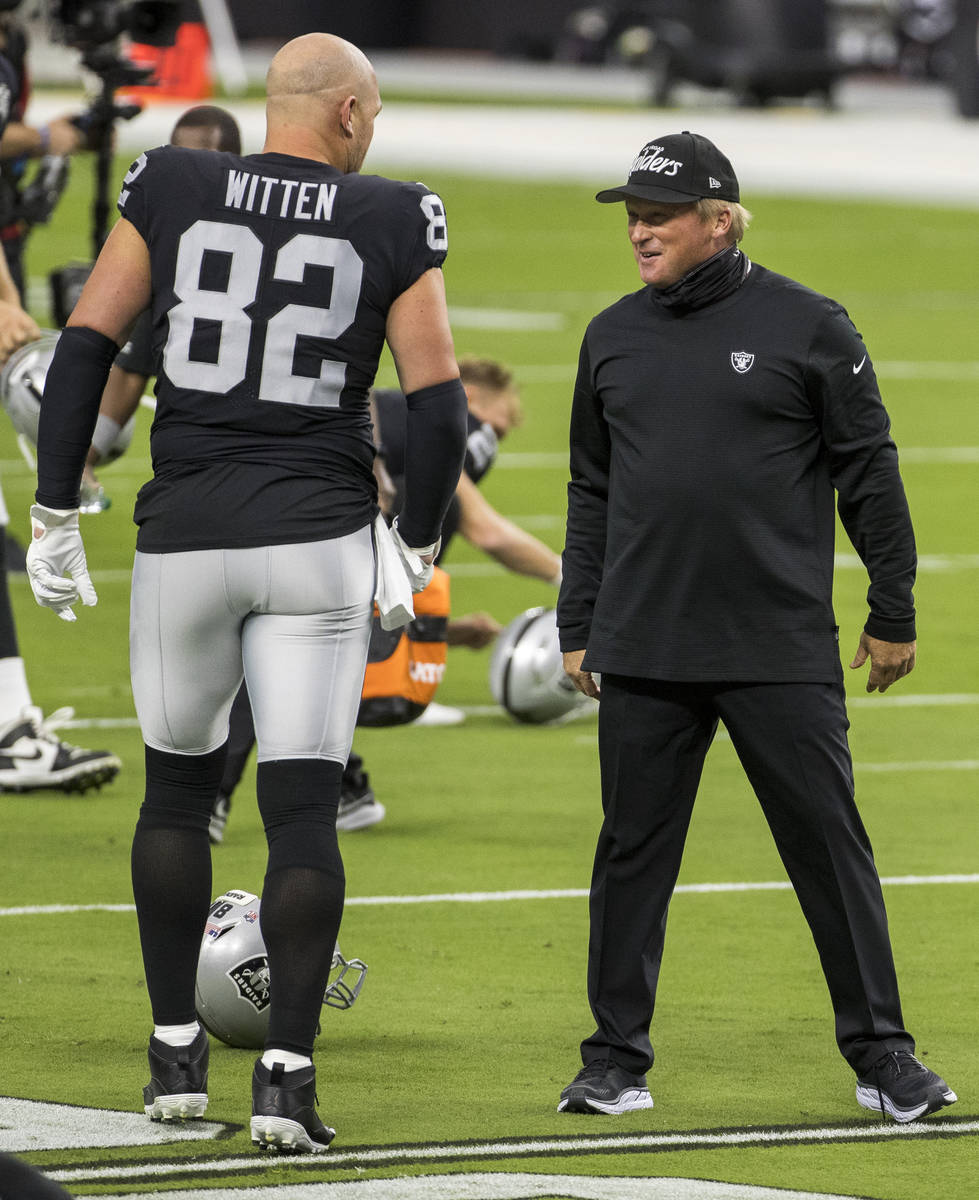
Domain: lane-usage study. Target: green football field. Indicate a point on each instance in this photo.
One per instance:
(469, 901)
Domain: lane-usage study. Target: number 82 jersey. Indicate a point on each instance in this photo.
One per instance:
(272, 277)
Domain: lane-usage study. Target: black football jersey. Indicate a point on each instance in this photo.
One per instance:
(482, 445)
(137, 356)
(272, 280)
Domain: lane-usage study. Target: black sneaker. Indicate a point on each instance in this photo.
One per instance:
(177, 1089)
(219, 818)
(283, 1111)
(359, 807)
(603, 1087)
(899, 1086)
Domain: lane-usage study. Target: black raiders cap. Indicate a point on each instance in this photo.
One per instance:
(676, 169)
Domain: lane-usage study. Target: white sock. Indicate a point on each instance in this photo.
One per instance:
(176, 1035)
(291, 1061)
(15, 695)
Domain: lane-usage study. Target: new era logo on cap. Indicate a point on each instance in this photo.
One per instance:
(676, 169)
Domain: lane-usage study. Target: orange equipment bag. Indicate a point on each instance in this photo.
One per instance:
(405, 666)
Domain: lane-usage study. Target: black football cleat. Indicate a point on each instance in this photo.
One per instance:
(284, 1111)
(177, 1090)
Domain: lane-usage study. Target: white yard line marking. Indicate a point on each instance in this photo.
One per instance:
(924, 700)
(690, 889)
(511, 320)
(543, 1147)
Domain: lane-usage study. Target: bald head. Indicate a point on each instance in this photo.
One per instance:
(317, 62)
(322, 99)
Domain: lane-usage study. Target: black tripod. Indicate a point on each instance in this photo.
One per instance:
(97, 124)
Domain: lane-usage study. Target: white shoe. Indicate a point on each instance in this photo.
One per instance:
(440, 714)
(32, 756)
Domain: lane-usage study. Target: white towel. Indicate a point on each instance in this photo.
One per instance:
(393, 592)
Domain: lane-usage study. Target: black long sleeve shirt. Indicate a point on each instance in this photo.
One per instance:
(706, 449)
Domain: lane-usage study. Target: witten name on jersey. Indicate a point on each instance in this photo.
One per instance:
(272, 280)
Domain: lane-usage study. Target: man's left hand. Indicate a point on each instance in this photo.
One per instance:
(889, 661)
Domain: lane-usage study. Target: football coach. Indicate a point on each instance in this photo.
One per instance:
(717, 412)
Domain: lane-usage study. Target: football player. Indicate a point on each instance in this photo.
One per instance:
(274, 281)
(32, 756)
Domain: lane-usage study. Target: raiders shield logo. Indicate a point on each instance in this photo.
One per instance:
(252, 979)
(741, 360)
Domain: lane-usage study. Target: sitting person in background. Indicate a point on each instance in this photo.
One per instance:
(404, 668)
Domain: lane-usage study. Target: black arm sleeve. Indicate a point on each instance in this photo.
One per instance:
(434, 452)
(584, 549)
(69, 408)
(863, 465)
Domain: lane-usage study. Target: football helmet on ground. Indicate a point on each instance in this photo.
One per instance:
(232, 993)
(526, 672)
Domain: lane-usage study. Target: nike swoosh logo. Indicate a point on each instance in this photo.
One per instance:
(18, 754)
(859, 366)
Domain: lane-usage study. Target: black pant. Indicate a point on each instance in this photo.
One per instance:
(791, 740)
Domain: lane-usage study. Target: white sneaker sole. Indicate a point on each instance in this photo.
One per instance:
(630, 1100)
(361, 818)
(870, 1098)
(278, 1133)
(78, 778)
(187, 1107)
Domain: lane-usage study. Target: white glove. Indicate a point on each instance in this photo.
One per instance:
(419, 573)
(55, 553)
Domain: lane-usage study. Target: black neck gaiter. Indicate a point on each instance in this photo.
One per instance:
(712, 280)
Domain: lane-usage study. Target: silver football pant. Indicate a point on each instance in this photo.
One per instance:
(294, 619)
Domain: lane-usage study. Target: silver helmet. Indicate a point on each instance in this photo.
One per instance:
(22, 385)
(526, 673)
(232, 993)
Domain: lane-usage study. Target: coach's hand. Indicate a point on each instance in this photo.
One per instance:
(889, 661)
(56, 561)
(584, 681)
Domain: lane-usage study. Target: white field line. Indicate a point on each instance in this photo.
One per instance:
(924, 700)
(512, 320)
(928, 564)
(688, 889)
(544, 1147)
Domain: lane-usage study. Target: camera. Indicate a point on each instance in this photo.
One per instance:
(87, 25)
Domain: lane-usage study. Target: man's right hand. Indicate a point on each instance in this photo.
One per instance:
(17, 328)
(584, 681)
(418, 561)
(56, 563)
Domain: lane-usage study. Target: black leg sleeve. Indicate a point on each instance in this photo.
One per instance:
(302, 897)
(171, 869)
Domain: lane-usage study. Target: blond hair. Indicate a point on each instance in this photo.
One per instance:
(709, 209)
(496, 378)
